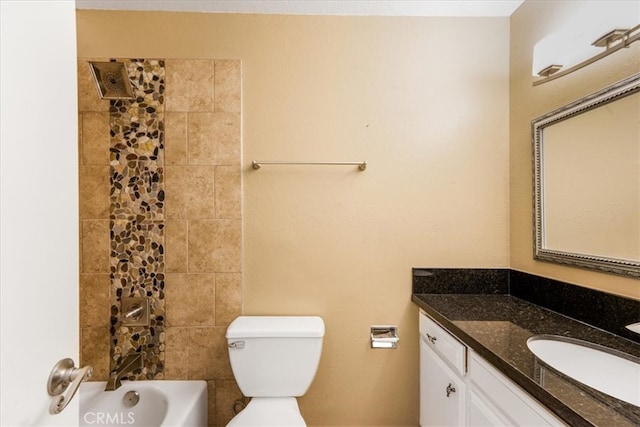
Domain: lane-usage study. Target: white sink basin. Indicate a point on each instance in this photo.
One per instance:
(591, 364)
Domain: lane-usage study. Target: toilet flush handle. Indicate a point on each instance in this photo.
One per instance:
(237, 345)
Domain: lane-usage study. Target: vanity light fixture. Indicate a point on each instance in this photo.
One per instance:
(551, 69)
(611, 42)
(610, 38)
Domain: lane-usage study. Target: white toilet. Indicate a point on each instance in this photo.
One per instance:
(274, 359)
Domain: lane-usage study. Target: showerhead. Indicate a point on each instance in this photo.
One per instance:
(111, 80)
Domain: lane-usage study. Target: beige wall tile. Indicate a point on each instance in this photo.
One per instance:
(88, 98)
(211, 403)
(96, 138)
(95, 246)
(228, 192)
(227, 393)
(228, 297)
(208, 357)
(175, 255)
(190, 85)
(227, 86)
(227, 127)
(176, 353)
(190, 192)
(190, 299)
(215, 246)
(95, 351)
(79, 139)
(175, 138)
(94, 300)
(80, 245)
(214, 138)
(201, 137)
(94, 192)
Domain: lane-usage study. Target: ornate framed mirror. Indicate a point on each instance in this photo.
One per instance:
(586, 178)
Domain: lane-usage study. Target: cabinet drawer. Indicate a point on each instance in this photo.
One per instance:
(443, 343)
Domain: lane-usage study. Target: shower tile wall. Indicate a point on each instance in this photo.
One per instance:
(196, 220)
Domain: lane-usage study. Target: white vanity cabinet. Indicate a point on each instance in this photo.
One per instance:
(442, 368)
(483, 396)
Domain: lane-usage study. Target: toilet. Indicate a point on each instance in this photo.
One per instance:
(274, 360)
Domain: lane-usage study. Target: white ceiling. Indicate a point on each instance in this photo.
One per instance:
(318, 7)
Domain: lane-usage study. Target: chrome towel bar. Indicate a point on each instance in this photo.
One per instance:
(257, 164)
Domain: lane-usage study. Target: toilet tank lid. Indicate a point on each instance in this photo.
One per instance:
(276, 327)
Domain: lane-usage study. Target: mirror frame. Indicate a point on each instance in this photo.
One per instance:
(611, 93)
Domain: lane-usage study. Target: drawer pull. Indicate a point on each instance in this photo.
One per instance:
(431, 338)
(450, 389)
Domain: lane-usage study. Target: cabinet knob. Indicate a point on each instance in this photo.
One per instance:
(431, 338)
(450, 389)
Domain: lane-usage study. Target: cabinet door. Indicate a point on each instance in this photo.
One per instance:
(496, 395)
(482, 414)
(442, 392)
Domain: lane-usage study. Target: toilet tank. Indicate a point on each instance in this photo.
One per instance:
(275, 356)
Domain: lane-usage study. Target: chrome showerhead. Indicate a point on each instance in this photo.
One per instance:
(111, 80)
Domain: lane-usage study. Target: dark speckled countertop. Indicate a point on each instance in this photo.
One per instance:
(497, 327)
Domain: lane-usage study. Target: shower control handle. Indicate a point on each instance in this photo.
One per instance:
(134, 312)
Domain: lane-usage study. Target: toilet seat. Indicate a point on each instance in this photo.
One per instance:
(269, 412)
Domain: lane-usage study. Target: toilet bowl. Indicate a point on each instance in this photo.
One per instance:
(274, 360)
(269, 411)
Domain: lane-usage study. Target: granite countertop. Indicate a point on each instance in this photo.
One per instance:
(497, 327)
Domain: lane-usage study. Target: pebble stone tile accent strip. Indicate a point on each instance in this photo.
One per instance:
(137, 215)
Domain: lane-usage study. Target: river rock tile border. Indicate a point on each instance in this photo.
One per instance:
(137, 215)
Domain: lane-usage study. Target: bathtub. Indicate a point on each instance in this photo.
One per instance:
(161, 403)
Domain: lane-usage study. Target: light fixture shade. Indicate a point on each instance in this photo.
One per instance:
(570, 41)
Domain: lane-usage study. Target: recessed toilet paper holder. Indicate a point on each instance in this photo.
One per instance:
(384, 336)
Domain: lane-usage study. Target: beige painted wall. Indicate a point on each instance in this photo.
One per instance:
(531, 22)
(411, 96)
